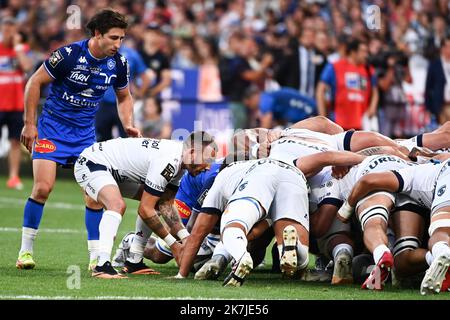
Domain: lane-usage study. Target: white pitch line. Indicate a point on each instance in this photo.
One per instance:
(45, 230)
(50, 204)
(28, 297)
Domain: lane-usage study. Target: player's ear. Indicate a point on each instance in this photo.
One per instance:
(97, 34)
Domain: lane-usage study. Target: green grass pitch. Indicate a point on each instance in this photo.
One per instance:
(61, 247)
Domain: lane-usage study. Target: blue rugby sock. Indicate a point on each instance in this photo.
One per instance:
(32, 214)
(92, 220)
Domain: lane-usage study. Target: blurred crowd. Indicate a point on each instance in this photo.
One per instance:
(262, 46)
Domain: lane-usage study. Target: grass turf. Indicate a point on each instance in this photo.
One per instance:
(61, 247)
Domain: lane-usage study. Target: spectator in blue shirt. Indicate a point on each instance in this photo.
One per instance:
(280, 108)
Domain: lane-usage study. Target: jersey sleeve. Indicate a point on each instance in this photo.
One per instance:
(328, 75)
(329, 193)
(405, 178)
(123, 73)
(61, 61)
(214, 202)
(208, 183)
(160, 173)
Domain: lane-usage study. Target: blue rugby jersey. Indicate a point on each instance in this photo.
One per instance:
(80, 82)
(193, 190)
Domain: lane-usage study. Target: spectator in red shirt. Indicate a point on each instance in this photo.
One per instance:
(353, 88)
(13, 63)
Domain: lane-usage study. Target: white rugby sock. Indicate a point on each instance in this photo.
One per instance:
(141, 236)
(235, 242)
(342, 246)
(220, 250)
(108, 229)
(93, 246)
(303, 255)
(379, 251)
(280, 250)
(429, 258)
(28, 236)
(440, 248)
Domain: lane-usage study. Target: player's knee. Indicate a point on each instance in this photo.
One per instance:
(41, 191)
(117, 205)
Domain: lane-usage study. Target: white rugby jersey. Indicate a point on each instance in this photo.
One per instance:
(335, 191)
(224, 186)
(288, 149)
(142, 160)
(322, 138)
(419, 182)
(235, 176)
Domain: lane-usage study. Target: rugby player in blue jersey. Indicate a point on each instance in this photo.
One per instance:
(188, 202)
(79, 74)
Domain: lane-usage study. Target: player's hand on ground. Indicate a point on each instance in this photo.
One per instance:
(28, 135)
(176, 249)
(133, 132)
(177, 277)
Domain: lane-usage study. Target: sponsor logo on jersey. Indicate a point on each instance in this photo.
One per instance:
(111, 64)
(202, 197)
(95, 70)
(354, 81)
(90, 187)
(243, 186)
(81, 67)
(78, 102)
(98, 87)
(68, 50)
(441, 190)
(55, 58)
(108, 78)
(154, 186)
(79, 77)
(168, 172)
(183, 209)
(82, 59)
(123, 59)
(87, 93)
(44, 146)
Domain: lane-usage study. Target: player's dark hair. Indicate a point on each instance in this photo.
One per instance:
(354, 45)
(199, 137)
(105, 20)
(234, 157)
